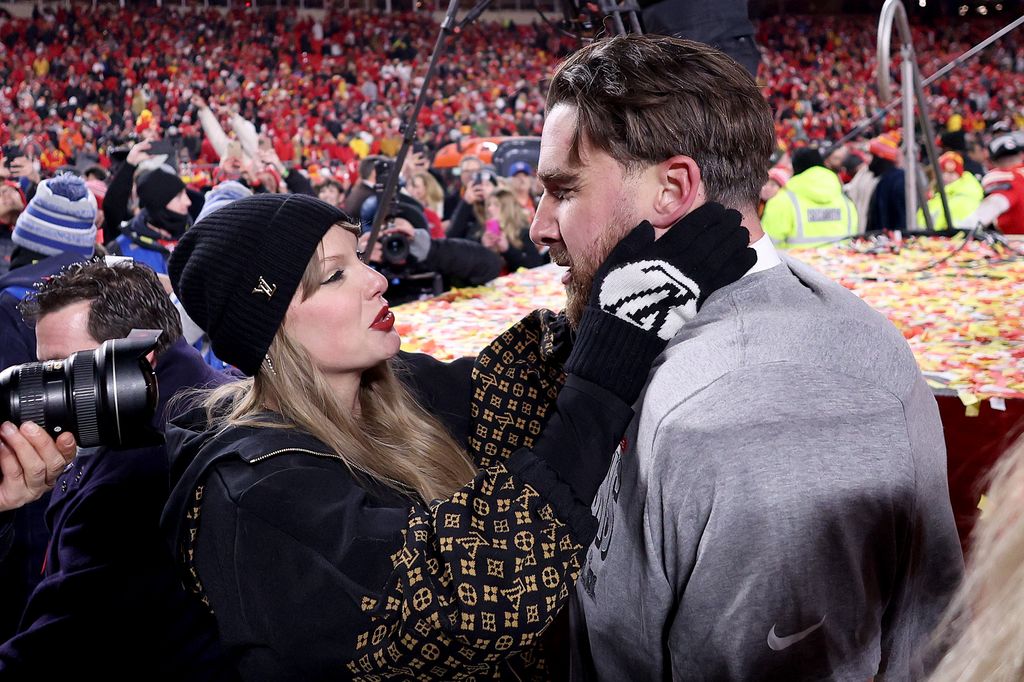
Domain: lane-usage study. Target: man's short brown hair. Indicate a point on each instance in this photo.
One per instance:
(644, 99)
(123, 296)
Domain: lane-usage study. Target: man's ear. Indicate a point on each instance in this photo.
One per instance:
(151, 358)
(680, 189)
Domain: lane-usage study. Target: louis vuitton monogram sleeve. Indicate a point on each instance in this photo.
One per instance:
(460, 589)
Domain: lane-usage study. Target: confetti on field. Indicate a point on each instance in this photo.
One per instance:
(462, 322)
(963, 318)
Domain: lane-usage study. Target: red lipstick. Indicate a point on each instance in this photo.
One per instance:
(384, 321)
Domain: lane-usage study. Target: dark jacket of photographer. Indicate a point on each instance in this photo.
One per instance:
(111, 602)
(461, 262)
(331, 546)
(26, 527)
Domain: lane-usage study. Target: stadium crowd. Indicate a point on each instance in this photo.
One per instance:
(186, 142)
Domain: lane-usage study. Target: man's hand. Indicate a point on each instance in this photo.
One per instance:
(198, 102)
(139, 153)
(30, 462)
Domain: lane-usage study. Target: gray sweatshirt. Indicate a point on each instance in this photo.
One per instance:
(779, 507)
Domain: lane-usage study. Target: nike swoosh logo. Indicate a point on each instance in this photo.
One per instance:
(776, 643)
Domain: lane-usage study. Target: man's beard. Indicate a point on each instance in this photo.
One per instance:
(584, 265)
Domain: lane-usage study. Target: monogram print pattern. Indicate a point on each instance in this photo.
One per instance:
(482, 574)
(479, 576)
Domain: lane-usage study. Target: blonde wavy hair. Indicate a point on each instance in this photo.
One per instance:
(393, 441)
(512, 216)
(985, 621)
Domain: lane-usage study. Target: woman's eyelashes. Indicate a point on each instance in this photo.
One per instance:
(336, 276)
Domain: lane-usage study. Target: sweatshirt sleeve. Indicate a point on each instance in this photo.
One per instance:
(213, 131)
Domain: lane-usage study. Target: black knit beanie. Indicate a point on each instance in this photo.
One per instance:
(237, 269)
(157, 187)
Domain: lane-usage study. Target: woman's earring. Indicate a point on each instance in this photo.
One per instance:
(269, 364)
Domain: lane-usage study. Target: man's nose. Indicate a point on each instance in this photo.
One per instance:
(544, 228)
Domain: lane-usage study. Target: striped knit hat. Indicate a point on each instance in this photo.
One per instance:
(236, 270)
(60, 218)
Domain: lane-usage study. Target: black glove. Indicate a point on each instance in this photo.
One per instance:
(646, 290)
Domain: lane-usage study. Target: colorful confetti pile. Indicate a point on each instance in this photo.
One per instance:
(461, 322)
(962, 317)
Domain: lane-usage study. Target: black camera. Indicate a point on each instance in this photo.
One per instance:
(394, 248)
(106, 396)
(382, 172)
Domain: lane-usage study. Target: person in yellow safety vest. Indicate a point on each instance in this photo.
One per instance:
(811, 210)
(963, 191)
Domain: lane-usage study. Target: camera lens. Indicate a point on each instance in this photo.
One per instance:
(395, 248)
(104, 397)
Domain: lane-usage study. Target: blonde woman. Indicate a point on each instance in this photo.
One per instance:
(985, 622)
(424, 188)
(507, 232)
(334, 528)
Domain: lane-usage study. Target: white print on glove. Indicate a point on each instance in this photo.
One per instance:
(652, 295)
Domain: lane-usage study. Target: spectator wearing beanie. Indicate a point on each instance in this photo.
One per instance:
(60, 218)
(887, 209)
(811, 210)
(223, 194)
(777, 179)
(963, 191)
(163, 217)
(56, 228)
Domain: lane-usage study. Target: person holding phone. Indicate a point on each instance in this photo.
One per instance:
(507, 232)
(21, 166)
(470, 215)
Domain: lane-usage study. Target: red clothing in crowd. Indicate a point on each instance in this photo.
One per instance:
(1009, 183)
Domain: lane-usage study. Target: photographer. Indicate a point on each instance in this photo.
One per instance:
(59, 230)
(111, 602)
(413, 261)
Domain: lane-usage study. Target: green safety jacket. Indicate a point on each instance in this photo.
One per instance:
(964, 194)
(811, 210)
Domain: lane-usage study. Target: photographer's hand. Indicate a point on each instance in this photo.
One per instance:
(30, 462)
(401, 226)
